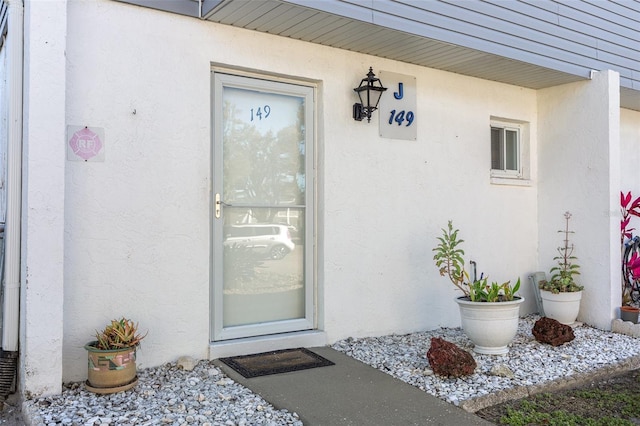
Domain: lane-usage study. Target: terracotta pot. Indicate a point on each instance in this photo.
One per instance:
(110, 370)
(629, 313)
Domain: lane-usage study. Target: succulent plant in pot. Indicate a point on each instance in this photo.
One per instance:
(561, 294)
(112, 357)
(489, 312)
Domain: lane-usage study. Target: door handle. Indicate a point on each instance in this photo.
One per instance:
(219, 204)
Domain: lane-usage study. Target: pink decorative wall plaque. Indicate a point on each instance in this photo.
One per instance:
(85, 143)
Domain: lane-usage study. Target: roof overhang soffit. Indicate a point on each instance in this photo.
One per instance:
(298, 19)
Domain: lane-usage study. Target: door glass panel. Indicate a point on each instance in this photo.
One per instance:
(263, 267)
(263, 148)
(263, 185)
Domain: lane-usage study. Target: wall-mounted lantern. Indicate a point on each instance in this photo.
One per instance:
(369, 92)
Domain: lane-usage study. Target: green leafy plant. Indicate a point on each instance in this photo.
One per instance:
(481, 291)
(510, 292)
(449, 258)
(122, 333)
(563, 274)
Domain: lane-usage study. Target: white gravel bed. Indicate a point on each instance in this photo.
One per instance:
(165, 395)
(530, 362)
(168, 395)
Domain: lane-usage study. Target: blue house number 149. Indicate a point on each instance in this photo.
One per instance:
(400, 116)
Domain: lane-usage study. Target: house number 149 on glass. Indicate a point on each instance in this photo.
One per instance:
(260, 112)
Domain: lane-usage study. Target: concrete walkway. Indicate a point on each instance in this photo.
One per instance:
(352, 393)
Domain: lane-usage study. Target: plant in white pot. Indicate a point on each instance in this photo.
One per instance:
(489, 312)
(112, 357)
(561, 295)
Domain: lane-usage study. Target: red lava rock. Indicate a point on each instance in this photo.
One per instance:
(548, 330)
(449, 360)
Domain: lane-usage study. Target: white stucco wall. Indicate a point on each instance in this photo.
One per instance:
(4, 102)
(579, 148)
(43, 201)
(137, 224)
(630, 154)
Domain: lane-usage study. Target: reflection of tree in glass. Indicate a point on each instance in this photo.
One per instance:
(241, 264)
(262, 169)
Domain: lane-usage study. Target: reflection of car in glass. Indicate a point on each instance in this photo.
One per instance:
(272, 241)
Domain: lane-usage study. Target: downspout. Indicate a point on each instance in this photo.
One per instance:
(12, 234)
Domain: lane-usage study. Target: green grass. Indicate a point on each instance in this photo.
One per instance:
(594, 407)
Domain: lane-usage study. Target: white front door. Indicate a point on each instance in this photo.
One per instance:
(263, 192)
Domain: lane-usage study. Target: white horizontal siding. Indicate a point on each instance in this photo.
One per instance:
(570, 36)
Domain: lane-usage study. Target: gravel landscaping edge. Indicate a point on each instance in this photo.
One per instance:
(570, 382)
(205, 396)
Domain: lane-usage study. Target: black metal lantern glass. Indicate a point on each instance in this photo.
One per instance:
(369, 91)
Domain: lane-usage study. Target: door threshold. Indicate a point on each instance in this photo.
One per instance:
(259, 344)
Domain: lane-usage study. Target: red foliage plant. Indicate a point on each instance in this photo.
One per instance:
(629, 246)
(628, 208)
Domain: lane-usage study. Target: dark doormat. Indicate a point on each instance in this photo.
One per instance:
(275, 362)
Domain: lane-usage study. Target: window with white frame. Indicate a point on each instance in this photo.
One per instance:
(506, 149)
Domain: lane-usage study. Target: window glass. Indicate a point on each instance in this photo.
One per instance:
(510, 153)
(505, 149)
(511, 150)
(496, 149)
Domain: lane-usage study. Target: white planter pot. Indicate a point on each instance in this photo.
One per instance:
(562, 307)
(491, 326)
